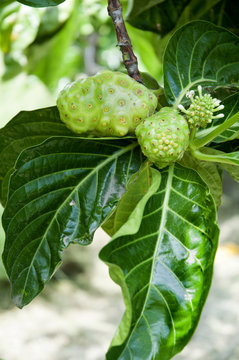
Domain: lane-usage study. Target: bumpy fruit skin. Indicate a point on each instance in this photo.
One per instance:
(107, 104)
(163, 137)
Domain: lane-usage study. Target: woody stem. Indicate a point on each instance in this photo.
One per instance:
(130, 60)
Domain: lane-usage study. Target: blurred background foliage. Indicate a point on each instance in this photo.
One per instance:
(57, 44)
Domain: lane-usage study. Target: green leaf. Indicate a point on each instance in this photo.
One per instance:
(61, 192)
(41, 3)
(209, 172)
(209, 154)
(199, 53)
(149, 81)
(224, 91)
(136, 7)
(159, 16)
(139, 186)
(231, 14)
(26, 129)
(164, 265)
(193, 10)
(233, 168)
(165, 17)
(231, 108)
(229, 146)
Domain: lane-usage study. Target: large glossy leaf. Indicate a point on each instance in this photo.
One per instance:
(199, 53)
(41, 3)
(159, 16)
(26, 129)
(61, 192)
(192, 10)
(164, 265)
(166, 17)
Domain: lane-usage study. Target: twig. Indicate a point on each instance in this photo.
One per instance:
(130, 60)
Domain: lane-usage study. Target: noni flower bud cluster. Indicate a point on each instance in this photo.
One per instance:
(201, 111)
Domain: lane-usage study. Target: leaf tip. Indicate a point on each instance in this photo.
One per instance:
(18, 301)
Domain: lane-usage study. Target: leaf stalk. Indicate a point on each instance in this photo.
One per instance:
(211, 158)
(198, 143)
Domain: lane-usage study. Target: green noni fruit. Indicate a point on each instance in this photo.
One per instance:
(163, 137)
(107, 104)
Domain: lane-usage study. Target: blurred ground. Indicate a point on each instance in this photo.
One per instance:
(78, 312)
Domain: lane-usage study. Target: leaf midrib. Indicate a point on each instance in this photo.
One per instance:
(111, 158)
(160, 232)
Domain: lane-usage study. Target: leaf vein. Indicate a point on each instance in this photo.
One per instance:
(19, 234)
(209, 53)
(36, 199)
(177, 279)
(188, 250)
(188, 199)
(139, 291)
(135, 268)
(185, 220)
(150, 334)
(169, 311)
(133, 242)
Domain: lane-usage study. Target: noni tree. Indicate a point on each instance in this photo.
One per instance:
(144, 162)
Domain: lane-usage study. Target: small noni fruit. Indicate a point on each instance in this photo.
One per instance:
(107, 104)
(200, 112)
(163, 137)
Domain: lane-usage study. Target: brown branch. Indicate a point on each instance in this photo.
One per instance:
(130, 60)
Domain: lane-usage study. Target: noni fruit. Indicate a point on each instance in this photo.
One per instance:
(107, 104)
(163, 137)
(200, 112)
